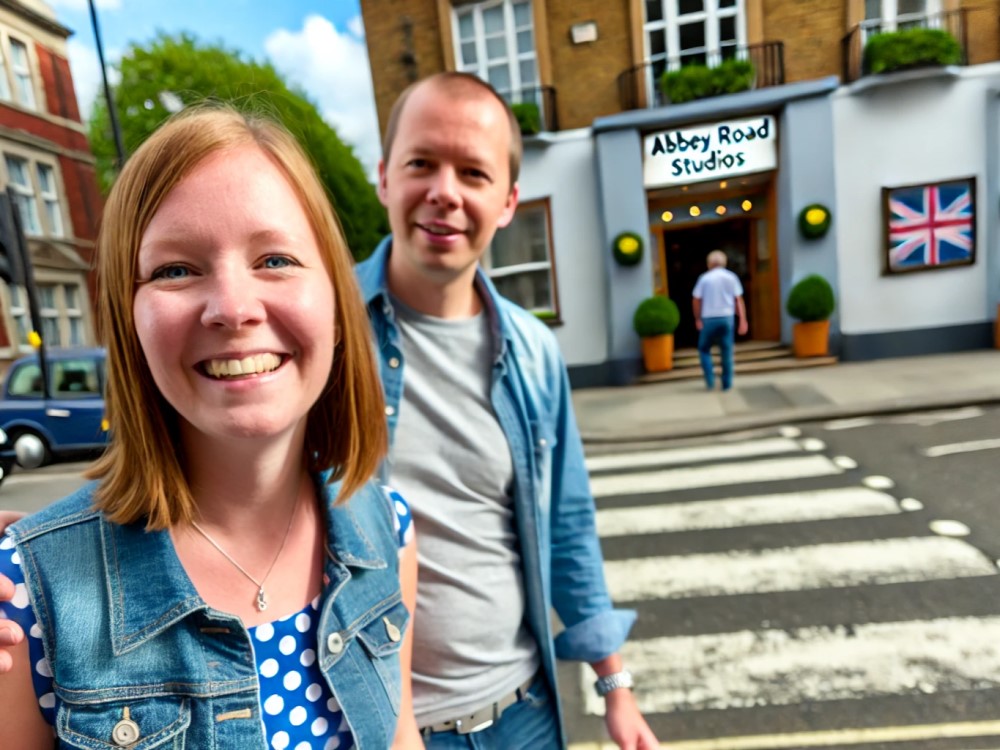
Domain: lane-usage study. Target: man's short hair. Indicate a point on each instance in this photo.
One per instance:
(717, 259)
(457, 83)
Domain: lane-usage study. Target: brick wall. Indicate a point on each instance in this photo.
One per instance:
(58, 82)
(983, 28)
(85, 204)
(811, 31)
(397, 57)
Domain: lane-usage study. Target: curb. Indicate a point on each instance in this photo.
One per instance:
(690, 428)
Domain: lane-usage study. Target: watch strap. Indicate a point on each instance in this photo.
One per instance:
(609, 682)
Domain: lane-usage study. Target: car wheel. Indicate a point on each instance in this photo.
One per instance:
(16, 435)
(6, 466)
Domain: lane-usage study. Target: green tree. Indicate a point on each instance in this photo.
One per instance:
(194, 72)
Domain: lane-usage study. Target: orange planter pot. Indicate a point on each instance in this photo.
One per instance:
(811, 339)
(658, 352)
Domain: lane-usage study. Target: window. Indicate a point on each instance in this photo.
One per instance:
(68, 378)
(519, 260)
(891, 15)
(496, 41)
(61, 310)
(20, 66)
(680, 32)
(19, 176)
(4, 84)
(49, 193)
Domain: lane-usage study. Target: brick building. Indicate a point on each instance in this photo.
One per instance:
(830, 134)
(45, 157)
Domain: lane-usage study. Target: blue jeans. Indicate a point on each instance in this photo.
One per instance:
(529, 724)
(716, 331)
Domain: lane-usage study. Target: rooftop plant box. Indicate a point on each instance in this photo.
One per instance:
(911, 48)
(700, 82)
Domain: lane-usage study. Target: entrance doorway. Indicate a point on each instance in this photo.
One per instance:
(686, 251)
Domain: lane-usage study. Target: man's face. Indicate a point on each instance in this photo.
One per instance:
(447, 184)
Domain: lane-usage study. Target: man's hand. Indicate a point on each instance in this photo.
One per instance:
(625, 724)
(744, 327)
(10, 631)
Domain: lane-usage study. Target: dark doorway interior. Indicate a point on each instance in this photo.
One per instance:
(686, 250)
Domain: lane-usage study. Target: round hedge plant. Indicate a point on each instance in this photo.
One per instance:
(814, 221)
(656, 316)
(811, 299)
(627, 248)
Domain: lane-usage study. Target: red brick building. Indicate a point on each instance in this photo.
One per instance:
(45, 157)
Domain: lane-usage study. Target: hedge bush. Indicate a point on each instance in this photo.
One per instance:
(656, 316)
(700, 82)
(910, 48)
(811, 299)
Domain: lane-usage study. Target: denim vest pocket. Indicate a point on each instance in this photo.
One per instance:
(382, 639)
(147, 723)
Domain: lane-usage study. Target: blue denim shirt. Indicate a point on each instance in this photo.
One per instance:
(561, 553)
(125, 631)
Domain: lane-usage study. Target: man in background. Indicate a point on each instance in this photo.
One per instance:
(717, 297)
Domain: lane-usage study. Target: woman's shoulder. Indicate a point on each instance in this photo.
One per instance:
(73, 509)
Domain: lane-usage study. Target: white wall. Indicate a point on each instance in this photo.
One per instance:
(898, 134)
(563, 170)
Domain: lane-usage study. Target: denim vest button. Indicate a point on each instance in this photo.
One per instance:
(392, 631)
(393, 362)
(335, 643)
(126, 731)
(390, 410)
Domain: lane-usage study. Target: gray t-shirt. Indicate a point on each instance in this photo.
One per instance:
(451, 461)
(718, 289)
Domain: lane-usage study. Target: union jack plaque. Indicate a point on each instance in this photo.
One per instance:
(930, 226)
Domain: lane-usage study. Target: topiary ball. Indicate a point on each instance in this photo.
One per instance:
(627, 248)
(811, 299)
(814, 221)
(656, 316)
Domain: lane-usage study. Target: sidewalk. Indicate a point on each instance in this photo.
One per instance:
(661, 411)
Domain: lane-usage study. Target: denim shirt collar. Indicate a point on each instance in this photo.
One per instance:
(373, 278)
(149, 590)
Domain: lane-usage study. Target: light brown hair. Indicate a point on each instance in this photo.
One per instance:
(457, 84)
(142, 472)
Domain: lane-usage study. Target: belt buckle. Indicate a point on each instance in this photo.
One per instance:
(474, 722)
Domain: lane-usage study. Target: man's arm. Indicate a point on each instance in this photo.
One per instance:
(626, 725)
(741, 313)
(696, 309)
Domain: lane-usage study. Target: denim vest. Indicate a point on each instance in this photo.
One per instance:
(128, 637)
(554, 510)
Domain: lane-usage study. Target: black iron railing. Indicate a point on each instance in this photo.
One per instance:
(955, 22)
(639, 86)
(542, 97)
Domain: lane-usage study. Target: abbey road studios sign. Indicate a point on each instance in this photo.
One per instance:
(710, 152)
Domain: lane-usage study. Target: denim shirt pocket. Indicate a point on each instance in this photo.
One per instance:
(382, 639)
(158, 723)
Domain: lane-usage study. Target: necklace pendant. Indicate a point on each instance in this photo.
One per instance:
(261, 600)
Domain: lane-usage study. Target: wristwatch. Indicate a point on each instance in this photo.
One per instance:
(609, 682)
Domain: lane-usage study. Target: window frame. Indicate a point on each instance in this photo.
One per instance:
(32, 161)
(23, 76)
(28, 193)
(50, 199)
(513, 58)
(59, 311)
(551, 315)
(890, 18)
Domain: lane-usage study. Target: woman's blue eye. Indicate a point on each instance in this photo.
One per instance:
(277, 261)
(170, 272)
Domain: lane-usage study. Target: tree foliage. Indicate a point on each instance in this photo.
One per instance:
(195, 72)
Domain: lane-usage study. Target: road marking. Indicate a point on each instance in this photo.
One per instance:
(878, 482)
(830, 738)
(795, 568)
(777, 667)
(729, 513)
(969, 446)
(931, 418)
(693, 454)
(947, 527)
(848, 424)
(713, 476)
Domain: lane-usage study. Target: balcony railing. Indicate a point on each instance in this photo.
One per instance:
(955, 22)
(542, 96)
(639, 86)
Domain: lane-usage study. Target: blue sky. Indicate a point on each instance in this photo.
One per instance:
(317, 44)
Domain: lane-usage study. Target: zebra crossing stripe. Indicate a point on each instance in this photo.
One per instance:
(755, 510)
(817, 566)
(777, 667)
(744, 472)
(693, 454)
(829, 738)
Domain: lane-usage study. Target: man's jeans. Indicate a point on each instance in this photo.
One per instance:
(716, 331)
(527, 725)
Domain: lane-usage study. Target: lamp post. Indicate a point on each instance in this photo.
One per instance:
(108, 97)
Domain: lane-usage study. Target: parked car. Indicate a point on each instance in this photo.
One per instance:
(71, 421)
(7, 456)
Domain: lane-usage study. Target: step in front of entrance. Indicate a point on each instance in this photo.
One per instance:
(691, 371)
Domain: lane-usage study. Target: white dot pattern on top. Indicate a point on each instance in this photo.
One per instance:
(300, 712)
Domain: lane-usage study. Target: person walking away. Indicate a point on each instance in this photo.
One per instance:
(717, 297)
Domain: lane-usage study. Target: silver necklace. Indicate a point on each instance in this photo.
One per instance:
(261, 595)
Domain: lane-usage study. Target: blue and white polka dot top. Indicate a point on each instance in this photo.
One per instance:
(300, 712)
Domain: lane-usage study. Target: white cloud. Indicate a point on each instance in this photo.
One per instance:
(87, 73)
(356, 27)
(332, 67)
(81, 5)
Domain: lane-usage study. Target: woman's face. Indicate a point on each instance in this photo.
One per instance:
(234, 309)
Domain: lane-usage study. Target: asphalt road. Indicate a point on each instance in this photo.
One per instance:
(28, 491)
(805, 593)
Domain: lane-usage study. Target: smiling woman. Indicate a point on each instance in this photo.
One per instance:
(233, 578)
